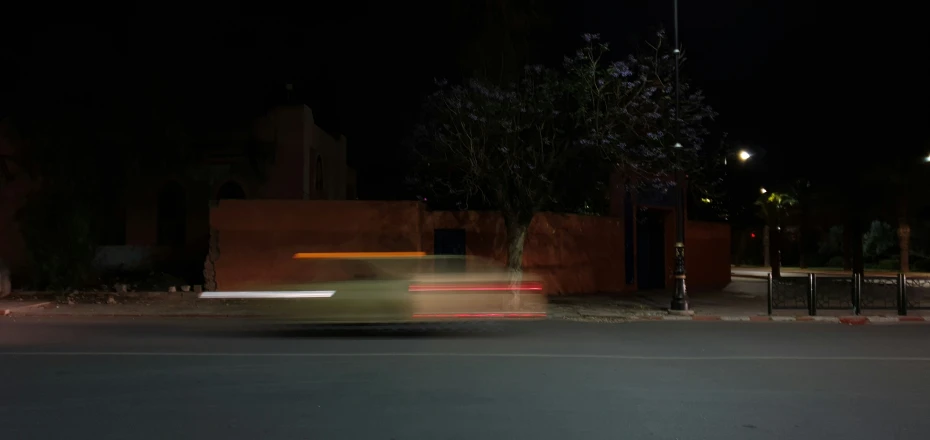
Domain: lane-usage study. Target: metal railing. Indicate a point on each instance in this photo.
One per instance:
(856, 292)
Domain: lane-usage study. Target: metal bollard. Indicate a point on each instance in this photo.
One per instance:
(857, 293)
(768, 294)
(812, 294)
(902, 294)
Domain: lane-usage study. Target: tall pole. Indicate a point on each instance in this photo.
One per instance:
(680, 297)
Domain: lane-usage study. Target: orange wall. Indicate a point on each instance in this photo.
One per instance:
(707, 255)
(257, 238)
(574, 254)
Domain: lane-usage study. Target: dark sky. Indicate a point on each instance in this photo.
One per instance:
(810, 82)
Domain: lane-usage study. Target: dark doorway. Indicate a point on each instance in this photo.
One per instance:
(451, 243)
(230, 191)
(172, 216)
(650, 249)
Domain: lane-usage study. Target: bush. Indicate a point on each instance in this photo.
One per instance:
(892, 264)
(836, 261)
(58, 230)
(921, 265)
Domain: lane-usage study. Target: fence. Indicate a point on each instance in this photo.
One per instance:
(856, 292)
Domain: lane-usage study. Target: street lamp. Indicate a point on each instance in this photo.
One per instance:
(763, 190)
(744, 155)
(927, 159)
(680, 297)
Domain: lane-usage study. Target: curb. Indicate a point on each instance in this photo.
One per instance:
(128, 315)
(848, 320)
(11, 311)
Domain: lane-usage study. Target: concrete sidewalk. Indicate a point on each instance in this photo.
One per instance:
(741, 301)
(760, 271)
(133, 304)
(157, 308)
(19, 306)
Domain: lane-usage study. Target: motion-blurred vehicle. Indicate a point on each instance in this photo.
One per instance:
(387, 289)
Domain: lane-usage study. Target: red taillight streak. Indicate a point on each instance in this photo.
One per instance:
(480, 315)
(467, 288)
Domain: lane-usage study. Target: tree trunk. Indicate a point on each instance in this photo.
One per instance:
(847, 245)
(904, 242)
(858, 264)
(740, 249)
(766, 247)
(904, 235)
(802, 262)
(209, 267)
(775, 251)
(517, 229)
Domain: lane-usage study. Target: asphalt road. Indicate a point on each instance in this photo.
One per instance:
(222, 379)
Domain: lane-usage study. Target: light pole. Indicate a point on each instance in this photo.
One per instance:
(680, 297)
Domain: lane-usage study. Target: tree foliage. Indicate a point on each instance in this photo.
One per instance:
(83, 162)
(776, 207)
(879, 240)
(553, 138)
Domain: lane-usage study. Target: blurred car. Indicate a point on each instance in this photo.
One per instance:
(366, 289)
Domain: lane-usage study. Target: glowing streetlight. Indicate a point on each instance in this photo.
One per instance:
(762, 190)
(927, 159)
(744, 155)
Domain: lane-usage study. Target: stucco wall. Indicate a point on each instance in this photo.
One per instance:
(256, 240)
(707, 255)
(299, 142)
(13, 195)
(291, 176)
(572, 253)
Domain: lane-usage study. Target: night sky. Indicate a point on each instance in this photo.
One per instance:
(826, 86)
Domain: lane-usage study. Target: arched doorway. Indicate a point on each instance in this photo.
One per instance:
(231, 191)
(172, 215)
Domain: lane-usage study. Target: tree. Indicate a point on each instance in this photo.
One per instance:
(878, 240)
(774, 208)
(895, 189)
(519, 147)
(83, 162)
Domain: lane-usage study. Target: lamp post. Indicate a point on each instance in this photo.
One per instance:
(680, 297)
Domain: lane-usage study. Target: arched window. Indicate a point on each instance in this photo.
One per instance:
(230, 191)
(318, 176)
(172, 215)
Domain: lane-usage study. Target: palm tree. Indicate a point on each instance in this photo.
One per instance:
(774, 208)
(897, 190)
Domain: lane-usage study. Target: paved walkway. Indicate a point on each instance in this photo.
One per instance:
(763, 271)
(743, 300)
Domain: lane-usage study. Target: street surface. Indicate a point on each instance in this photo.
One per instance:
(227, 379)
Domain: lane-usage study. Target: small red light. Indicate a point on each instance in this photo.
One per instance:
(753, 235)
